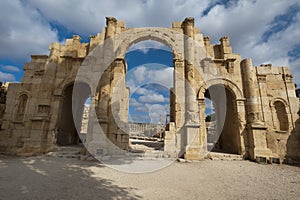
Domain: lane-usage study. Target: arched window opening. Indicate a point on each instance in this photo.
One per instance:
(282, 119)
(211, 126)
(21, 107)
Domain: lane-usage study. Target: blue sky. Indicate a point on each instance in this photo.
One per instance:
(266, 31)
(150, 78)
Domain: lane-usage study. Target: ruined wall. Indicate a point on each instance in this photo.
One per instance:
(279, 109)
(3, 93)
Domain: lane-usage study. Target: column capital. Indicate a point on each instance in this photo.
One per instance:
(189, 21)
(111, 21)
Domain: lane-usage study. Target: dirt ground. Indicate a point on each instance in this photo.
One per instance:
(56, 178)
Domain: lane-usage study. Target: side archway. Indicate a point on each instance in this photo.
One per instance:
(71, 113)
(226, 135)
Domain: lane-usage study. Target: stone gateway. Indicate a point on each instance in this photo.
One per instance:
(256, 107)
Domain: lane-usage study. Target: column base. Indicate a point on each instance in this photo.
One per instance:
(194, 153)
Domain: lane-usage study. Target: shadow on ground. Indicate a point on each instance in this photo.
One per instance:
(55, 178)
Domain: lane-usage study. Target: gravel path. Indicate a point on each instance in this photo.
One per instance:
(56, 178)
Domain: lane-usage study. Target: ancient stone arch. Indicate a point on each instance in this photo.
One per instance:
(221, 81)
(280, 112)
(166, 36)
(198, 64)
(234, 110)
(21, 107)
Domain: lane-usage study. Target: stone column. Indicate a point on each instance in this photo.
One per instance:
(104, 89)
(203, 134)
(179, 90)
(193, 148)
(117, 122)
(191, 106)
(251, 91)
(257, 131)
(175, 140)
(105, 81)
(107, 60)
(240, 111)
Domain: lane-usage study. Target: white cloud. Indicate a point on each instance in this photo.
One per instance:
(157, 113)
(10, 68)
(142, 109)
(150, 73)
(131, 84)
(7, 77)
(140, 73)
(87, 17)
(163, 77)
(152, 98)
(141, 91)
(145, 46)
(133, 102)
(246, 23)
(23, 31)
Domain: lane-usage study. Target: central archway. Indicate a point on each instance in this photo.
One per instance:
(149, 77)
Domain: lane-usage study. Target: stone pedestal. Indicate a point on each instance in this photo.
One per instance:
(193, 148)
(258, 142)
(170, 141)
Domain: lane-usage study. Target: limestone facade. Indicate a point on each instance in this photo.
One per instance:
(256, 107)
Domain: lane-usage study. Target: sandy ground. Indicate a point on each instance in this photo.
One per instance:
(56, 178)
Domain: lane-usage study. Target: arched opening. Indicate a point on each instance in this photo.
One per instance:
(19, 116)
(150, 79)
(282, 119)
(211, 124)
(223, 130)
(72, 115)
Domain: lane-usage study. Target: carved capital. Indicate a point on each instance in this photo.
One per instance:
(119, 61)
(206, 38)
(189, 21)
(111, 21)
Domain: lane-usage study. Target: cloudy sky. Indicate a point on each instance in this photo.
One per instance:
(150, 78)
(266, 31)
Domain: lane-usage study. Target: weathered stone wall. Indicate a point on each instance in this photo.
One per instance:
(3, 92)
